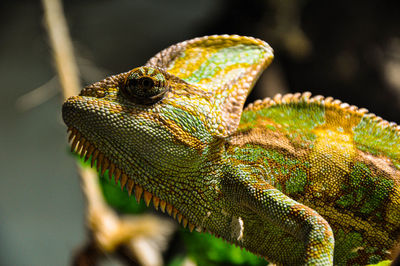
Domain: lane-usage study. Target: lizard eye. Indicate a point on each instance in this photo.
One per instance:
(145, 85)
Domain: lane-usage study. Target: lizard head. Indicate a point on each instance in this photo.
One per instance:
(140, 118)
(152, 127)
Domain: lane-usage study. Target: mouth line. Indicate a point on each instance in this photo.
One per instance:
(86, 150)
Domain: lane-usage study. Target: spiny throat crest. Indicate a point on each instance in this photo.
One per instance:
(86, 150)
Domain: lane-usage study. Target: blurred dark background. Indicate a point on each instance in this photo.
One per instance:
(346, 49)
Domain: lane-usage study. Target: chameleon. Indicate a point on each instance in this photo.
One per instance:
(296, 179)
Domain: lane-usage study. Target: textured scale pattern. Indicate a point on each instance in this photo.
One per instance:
(299, 180)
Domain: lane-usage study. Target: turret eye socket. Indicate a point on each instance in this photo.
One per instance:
(144, 85)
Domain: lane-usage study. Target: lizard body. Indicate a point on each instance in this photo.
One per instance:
(296, 179)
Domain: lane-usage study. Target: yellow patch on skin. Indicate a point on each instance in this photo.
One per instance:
(346, 220)
(190, 63)
(186, 65)
(392, 207)
(191, 109)
(115, 109)
(333, 152)
(221, 75)
(384, 167)
(182, 136)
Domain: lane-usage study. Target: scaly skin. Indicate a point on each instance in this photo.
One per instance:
(281, 179)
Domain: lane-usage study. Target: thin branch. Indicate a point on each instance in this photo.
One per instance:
(38, 95)
(62, 47)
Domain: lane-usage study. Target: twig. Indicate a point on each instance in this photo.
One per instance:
(62, 47)
(145, 236)
(38, 95)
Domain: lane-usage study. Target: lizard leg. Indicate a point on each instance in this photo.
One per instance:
(281, 213)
